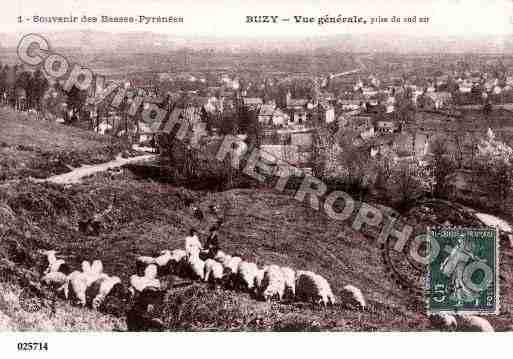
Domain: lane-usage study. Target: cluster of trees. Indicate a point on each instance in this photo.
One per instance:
(241, 120)
(486, 163)
(22, 89)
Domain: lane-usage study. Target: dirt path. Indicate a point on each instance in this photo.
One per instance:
(87, 170)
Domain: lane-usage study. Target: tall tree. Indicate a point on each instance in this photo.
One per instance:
(76, 101)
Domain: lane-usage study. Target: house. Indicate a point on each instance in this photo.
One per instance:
(212, 104)
(297, 109)
(381, 146)
(189, 113)
(295, 104)
(361, 125)
(164, 76)
(302, 139)
(326, 112)
(280, 118)
(384, 126)
(299, 117)
(368, 133)
(490, 84)
(265, 115)
(270, 115)
(328, 96)
(192, 113)
(369, 91)
(465, 86)
(464, 184)
(437, 100)
(349, 104)
(287, 153)
(253, 103)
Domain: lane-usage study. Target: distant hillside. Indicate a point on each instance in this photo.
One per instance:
(149, 41)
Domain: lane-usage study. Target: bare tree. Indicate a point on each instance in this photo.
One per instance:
(440, 165)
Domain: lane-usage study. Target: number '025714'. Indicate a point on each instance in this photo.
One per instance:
(33, 346)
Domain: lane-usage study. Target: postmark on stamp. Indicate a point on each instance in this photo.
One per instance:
(463, 277)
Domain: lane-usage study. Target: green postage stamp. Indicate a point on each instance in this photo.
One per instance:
(463, 271)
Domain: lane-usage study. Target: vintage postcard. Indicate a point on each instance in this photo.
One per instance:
(269, 166)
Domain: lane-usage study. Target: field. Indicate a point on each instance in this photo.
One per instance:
(32, 148)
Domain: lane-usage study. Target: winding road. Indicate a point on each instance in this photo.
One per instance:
(77, 174)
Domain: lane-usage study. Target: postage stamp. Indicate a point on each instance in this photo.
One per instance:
(462, 275)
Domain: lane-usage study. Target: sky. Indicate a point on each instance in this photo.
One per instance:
(226, 18)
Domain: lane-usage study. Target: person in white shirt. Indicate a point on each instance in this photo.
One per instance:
(193, 245)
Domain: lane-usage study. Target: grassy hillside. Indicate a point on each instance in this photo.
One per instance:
(62, 317)
(259, 225)
(147, 217)
(29, 147)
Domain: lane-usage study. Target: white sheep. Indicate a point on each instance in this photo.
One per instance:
(196, 266)
(259, 277)
(57, 281)
(55, 266)
(177, 263)
(177, 255)
(213, 271)
(290, 282)
(51, 255)
(327, 296)
(106, 286)
(164, 258)
(312, 287)
(222, 257)
(53, 263)
(92, 277)
(142, 262)
(86, 267)
(246, 273)
(149, 280)
(443, 321)
(167, 261)
(78, 283)
(97, 267)
(145, 260)
(474, 323)
(273, 283)
(232, 264)
(81, 281)
(138, 284)
(306, 287)
(151, 271)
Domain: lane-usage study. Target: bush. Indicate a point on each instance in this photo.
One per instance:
(295, 322)
(197, 308)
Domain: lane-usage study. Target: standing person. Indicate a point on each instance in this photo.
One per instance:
(212, 243)
(193, 245)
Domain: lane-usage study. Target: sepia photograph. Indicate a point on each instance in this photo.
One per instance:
(279, 166)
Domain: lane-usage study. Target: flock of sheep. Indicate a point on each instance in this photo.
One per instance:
(450, 322)
(270, 282)
(91, 281)
(267, 283)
